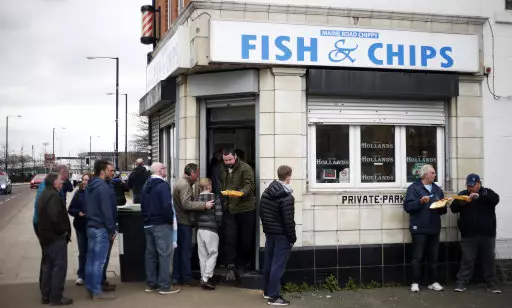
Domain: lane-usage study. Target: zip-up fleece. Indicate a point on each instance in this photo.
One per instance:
(422, 219)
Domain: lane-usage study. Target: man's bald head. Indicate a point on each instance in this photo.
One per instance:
(139, 162)
(157, 168)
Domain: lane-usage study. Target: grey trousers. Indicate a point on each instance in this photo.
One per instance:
(470, 248)
(54, 270)
(208, 250)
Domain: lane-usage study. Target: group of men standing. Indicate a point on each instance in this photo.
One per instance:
(477, 226)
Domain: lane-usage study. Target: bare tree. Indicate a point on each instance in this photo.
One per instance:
(140, 140)
(2, 155)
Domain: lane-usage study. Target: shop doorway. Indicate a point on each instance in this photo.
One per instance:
(228, 125)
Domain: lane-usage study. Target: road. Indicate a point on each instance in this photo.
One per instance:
(12, 204)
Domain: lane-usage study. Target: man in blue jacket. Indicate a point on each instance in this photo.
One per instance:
(425, 225)
(101, 227)
(156, 207)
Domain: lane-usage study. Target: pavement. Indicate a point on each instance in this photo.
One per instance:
(19, 269)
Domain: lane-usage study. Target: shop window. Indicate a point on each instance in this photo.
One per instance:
(377, 154)
(508, 4)
(373, 156)
(421, 149)
(332, 154)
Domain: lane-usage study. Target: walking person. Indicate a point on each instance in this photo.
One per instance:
(183, 198)
(424, 225)
(54, 233)
(239, 214)
(137, 179)
(208, 223)
(158, 215)
(101, 227)
(77, 210)
(477, 226)
(117, 189)
(277, 213)
(120, 188)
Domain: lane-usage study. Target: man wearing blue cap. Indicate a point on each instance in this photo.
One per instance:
(477, 225)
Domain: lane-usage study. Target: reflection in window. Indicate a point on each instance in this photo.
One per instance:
(332, 154)
(421, 144)
(377, 154)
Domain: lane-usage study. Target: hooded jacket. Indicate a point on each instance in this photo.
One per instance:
(101, 205)
(76, 206)
(277, 211)
(156, 202)
(208, 219)
(422, 219)
(241, 178)
(119, 189)
(137, 179)
(53, 221)
(478, 217)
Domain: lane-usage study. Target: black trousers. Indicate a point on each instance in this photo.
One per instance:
(239, 238)
(54, 270)
(42, 258)
(471, 247)
(106, 262)
(425, 244)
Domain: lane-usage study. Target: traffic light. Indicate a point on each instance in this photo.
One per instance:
(87, 161)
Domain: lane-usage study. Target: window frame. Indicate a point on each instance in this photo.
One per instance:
(508, 5)
(355, 159)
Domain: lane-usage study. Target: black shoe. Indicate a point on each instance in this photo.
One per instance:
(45, 301)
(191, 283)
(65, 301)
(278, 301)
(207, 285)
(492, 287)
(107, 287)
(460, 287)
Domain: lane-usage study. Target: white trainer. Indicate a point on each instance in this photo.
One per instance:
(79, 282)
(415, 287)
(436, 287)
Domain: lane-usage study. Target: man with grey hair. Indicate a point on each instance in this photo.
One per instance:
(137, 179)
(425, 225)
(156, 207)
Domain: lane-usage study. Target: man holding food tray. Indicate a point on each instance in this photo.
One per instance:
(424, 209)
(238, 219)
(476, 207)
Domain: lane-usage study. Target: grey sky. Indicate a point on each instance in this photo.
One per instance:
(45, 77)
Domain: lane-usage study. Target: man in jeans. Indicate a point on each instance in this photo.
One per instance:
(425, 225)
(183, 198)
(477, 225)
(277, 210)
(156, 207)
(101, 227)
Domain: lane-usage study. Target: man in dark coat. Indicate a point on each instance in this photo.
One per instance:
(425, 225)
(477, 225)
(137, 179)
(277, 211)
(54, 233)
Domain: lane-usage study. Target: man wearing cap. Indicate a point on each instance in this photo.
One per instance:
(477, 225)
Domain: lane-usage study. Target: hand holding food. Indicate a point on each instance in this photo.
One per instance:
(232, 193)
(474, 195)
(462, 198)
(439, 204)
(424, 199)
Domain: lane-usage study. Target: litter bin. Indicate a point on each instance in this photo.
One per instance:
(132, 243)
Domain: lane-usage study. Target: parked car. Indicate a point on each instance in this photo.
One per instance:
(5, 184)
(36, 180)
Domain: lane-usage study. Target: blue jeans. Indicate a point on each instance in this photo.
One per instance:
(81, 240)
(98, 241)
(158, 256)
(182, 270)
(277, 251)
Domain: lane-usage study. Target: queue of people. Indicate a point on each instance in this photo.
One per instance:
(170, 217)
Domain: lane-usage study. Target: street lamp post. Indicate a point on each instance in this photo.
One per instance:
(125, 128)
(53, 140)
(7, 138)
(116, 148)
(90, 150)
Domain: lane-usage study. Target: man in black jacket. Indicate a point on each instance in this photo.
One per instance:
(477, 225)
(54, 233)
(277, 211)
(425, 225)
(137, 179)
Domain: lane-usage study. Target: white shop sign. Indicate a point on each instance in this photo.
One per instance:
(253, 42)
(173, 56)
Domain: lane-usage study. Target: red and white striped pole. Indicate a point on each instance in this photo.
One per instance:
(148, 30)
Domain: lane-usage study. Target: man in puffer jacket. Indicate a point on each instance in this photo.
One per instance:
(277, 211)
